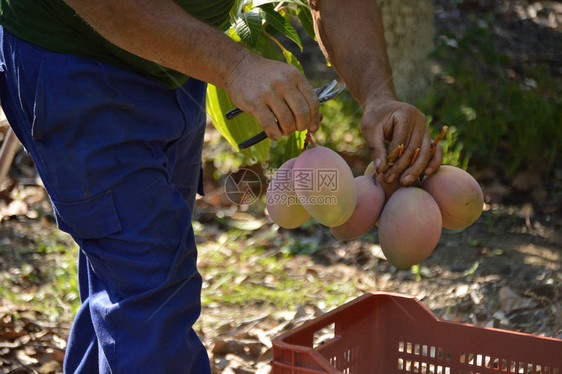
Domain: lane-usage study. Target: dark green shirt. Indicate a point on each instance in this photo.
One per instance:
(53, 25)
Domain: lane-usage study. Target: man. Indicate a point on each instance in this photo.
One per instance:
(117, 140)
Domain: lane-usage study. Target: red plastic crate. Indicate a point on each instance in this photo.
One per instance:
(387, 333)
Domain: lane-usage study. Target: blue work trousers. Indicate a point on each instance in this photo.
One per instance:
(120, 157)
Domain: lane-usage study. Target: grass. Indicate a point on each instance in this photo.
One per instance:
(42, 276)
(242, 269)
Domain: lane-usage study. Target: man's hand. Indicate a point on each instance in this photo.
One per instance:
(276, 93)
(351, 35)
(386, 119)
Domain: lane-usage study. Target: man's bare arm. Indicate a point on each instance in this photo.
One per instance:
(351, 35)
(162, 32)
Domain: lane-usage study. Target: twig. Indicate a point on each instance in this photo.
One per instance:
(393, 156)
(29, 368)
(438, 139)
(415, 156)
(307, 141)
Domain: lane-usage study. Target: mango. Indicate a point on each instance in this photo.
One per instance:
(458, 195)
(388, 188)
(368, 208)
(409, 227)
(324, 185)
(281, 201)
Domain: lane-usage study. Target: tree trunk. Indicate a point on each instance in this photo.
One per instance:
(409, 31)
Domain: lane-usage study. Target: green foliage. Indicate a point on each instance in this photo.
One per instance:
(453, 146)
(339, 129)
(280, 23)
(47, 276)
(250, 25)
(494, 112)
(237, 273)
(305, 18)
(238, 129)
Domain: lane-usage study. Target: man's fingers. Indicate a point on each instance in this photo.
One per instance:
(313, 104)
(300, 109)
(435, 161)
(405, 160)
(401, 136)
(284, 115)
(269, 124)
(400, 129)
(412, 173)
(309, 94)
(375, 140)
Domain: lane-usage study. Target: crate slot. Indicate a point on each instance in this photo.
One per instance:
(504, 365)
(347, 357)
(324, 335)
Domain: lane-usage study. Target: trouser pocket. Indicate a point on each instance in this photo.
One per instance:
(92, 218)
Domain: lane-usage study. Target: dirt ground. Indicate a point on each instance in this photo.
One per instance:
(504, 271)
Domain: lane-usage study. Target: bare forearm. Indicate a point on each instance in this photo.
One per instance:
(160, 31)
(350, 34)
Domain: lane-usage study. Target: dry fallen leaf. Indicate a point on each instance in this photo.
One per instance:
(511, 301)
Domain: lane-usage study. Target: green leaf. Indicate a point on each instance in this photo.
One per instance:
(231, 32)
(238, 129)
(472, 270)
(291, 59)
(305, 17)
(249, 27)
(295, 142)
(294, 146)
(279, 23)
(258, 3)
